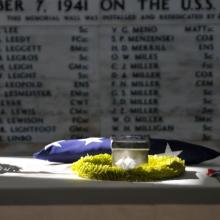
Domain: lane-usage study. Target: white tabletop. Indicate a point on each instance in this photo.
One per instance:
(43, 182)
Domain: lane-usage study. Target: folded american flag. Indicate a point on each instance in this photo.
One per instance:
(68, 151)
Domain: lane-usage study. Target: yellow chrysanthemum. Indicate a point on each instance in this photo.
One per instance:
(100, 167)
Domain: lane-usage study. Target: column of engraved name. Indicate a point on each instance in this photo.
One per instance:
(79, 92)
(20, 86)
(2, 67)
(145, 79)
(119, 84)
(136, 79)
(204, 37)
(205, 80)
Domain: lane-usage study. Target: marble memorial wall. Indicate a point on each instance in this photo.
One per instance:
(80, 68)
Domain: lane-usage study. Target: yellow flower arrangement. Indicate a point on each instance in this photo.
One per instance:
(100, 167)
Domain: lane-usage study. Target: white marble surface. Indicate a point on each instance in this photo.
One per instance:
(43, 182)
(41, 169)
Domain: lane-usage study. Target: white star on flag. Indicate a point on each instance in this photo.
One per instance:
(91, 140)
(169, 152)
(55, 144)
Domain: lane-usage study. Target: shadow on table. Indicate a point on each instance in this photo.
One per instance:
(7, 168)
(189, 175)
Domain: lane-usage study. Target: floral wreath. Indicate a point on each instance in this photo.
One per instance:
(100, 167)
